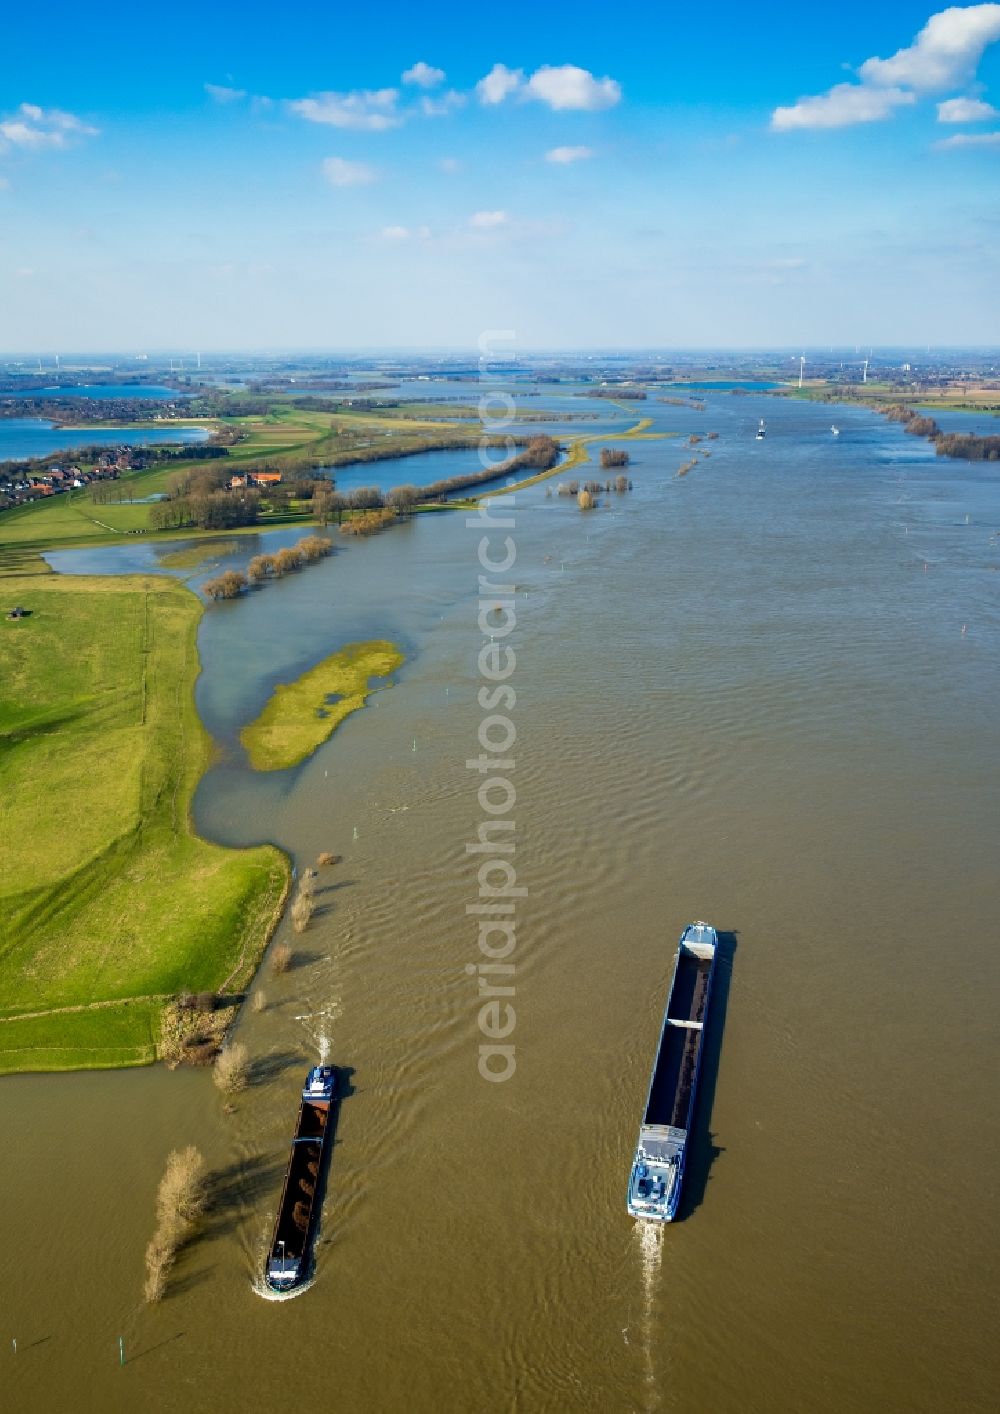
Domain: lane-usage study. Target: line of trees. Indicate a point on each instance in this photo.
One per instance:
(620, 485)
(207, 510)
(913, 421)
(231, 583)
(614, 456)
(968, 447)
(540, 454)
(632, 395)
(965, 445)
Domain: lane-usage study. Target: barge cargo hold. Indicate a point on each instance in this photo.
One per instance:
(298, 1212)
(654, 1188)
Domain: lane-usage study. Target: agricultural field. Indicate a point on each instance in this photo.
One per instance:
(109, 902)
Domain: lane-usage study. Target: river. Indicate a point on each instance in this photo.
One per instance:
(762, 694)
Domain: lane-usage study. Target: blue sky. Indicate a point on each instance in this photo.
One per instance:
(584, 175)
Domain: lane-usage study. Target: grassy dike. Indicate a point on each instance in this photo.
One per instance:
(109, 902)
(301, 715)
(579, 455)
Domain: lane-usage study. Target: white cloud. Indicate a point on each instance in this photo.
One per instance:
(487, 220)
(222, 94)
(969, 140)
(567, 86)
(441, 106)
(406, 233)
(424, 75)
(498, 83)
(844, 104)
(944, 53)
(371, 110)
(569, 154)
(561, 86)
(31, 127)
(450, 165)
(341, 173)
(965, 110)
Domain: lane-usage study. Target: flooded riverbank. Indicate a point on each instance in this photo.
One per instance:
(762, 694)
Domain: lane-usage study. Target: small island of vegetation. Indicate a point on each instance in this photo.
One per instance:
(301, 715)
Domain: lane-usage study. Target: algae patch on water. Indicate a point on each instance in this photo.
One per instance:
(301, 715)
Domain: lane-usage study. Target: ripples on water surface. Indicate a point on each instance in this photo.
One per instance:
(746, 696)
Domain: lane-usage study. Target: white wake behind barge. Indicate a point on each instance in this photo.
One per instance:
(654, 1188)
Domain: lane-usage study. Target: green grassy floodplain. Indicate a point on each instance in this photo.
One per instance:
(299, 717)
(109, 902)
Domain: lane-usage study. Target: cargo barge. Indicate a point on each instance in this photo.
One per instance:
(288, 1260)
(654, 1188)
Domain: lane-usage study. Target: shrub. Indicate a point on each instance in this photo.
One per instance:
(368, 522)
(613, 456)
(200, 1050)
(260, 567)
(232, 1069)
(622, 484)
(229, 585)
(585, 500)
(181, 1196)
(302, 911)
(259, 1001)
(403, 497)
(327, 858)
(160, 1259)
(314, 547)
(281, 958)
(180, 1202)
(288, 559)
(366, 498)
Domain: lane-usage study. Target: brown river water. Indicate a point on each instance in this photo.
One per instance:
(764, 695)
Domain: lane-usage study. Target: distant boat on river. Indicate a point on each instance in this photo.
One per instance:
(761, 431)
(835, 430)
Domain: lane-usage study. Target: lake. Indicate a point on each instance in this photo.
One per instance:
(763, 694)
(141, 391)
(22, 437)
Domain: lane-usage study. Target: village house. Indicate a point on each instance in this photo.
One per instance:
(254, 478)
